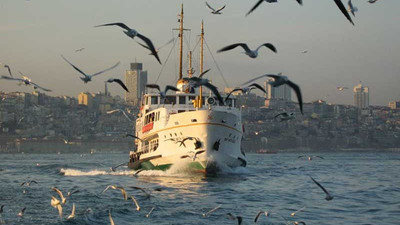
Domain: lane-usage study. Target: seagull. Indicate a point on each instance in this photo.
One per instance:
(21, 213)
(232, 217)
(119, 110)
(195, 82)
(269, 1)
(187, 139)
(9, 70)
(162, 93)
(285, 116)
(79, 50)
(294, 213)
(1, 209)
(158, 49)
(27, 81)
(130, 135)
(299, 222)
(65, 141)
(280, 80)
(72, 216)
(136, 203)
(251, 53)
(304, 51)
(344, 11)
(352, 9)
(246, 90)
(63, 200)
(56, 204)
(119, 82)
(141, 189)
(116, 187)
(215, 11)
(69, 193)
(211, 211)
(115, 167)
(28, 183)
(132, 34)
(372, 1)
(342, 88)
(148, 214)
(88, 77)
(310, 157)
(111, 219)
(328, 196)
(266, 213)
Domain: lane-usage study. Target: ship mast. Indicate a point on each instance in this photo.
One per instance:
(180, 42)
(190, 70)
(201, 62)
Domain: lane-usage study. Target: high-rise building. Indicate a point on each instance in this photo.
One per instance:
(85, 98)
(361, 96)
(283, 92)
(135, 81)
(394, 105)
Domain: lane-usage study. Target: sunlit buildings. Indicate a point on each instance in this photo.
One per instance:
(361, 96)
(135, 81)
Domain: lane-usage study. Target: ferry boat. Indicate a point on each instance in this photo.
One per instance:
(188, 128)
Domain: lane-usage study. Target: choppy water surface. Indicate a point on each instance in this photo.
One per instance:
(365, 186)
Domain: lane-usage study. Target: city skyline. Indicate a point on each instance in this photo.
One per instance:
(338, 53)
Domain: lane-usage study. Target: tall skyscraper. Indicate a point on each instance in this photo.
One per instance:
(361, 96)
(283, 92)
(135, 81)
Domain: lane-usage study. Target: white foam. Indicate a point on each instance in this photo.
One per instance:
(77, 173)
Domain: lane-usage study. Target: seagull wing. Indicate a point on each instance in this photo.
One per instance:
(76, 68)
(230, 216)
(169, 87)
(98, 73)
(258, 215)
(215, 91)
(156, 86)
(351, 7)
(9, 70)
(221, 8)
(130, 135)
(58, 192)
(105, 189)
(141, 189)
(122, 25)
(150, 46)
(37, 86)
(232, 46)
(296, 89)
(210, 7)
(344, 11)
(254, 7)
(111, 219)
(123, 192)
(319, 157)
(204, 72)
(258, 86)
(136, 203)
(300, 2)
(143, 45)
(254, 79)
(234, 90)
(73, 211)
(11, 78)
(319, 185)
(280, 114)
(60, 210)
(121, 84)
(268, 45)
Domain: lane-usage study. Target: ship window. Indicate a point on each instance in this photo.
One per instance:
(181, 133)
(170, 100)
(182, 100)
(194, 120)
(154, 100)
(181, 111)
(176, 135)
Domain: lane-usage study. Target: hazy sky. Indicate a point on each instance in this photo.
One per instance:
(34, 33)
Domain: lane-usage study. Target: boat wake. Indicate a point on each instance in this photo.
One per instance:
(96, 172)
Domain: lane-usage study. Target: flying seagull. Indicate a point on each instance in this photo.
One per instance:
(27, 81)
(111, 219)
(57, 204)
(342, 88)
(328, 196)
(9, 70)
(1, 209)
(63, 199)
(159, 48)
(136, 203)
(211, 211)
(280, 80)
(72, 216)
(294, 213)
(21, 213)
(215, 11)
(131, 135)
(266, 213)
(372, 1)
(269, 1)
(148, 214)
(79, 50)
(251, 53)
(119, 110)
(132, 34)
(232, 217)
(344, 11)
(119, 82)
(88, 77)
(142, 190)
(304, 51)
(352, 9)
(28, 183)
(285, 116)
(246, 90)
(116, 187)
(162, 93)
(69, 193)
(195, 82)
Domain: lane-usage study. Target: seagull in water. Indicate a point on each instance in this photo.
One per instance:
(88, 77)
(162, 93)
(352, 9)
(1, 209)
(215, 11)
(119, 82)
(251, 53)
(269, 1)
(280, 80)
(246, 90)
(344, 10)
(328, 196)
(132, 33)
